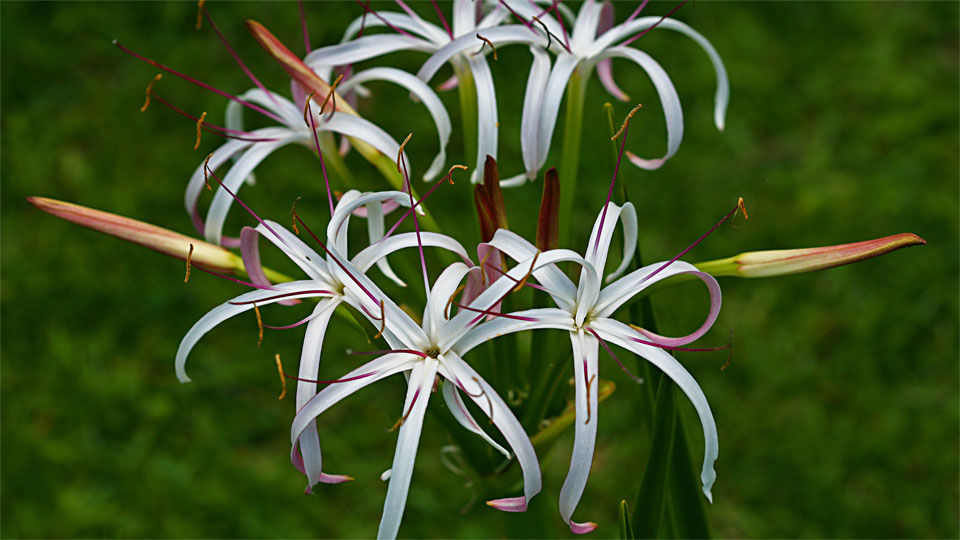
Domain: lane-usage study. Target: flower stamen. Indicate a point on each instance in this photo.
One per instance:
(293, 215)
(149, 90)
(283, 380)
(186, 277)
(256, 310)
(626, 121)
(485, 43)
(606, 347)
(199, 26)
(203, 117)
(332, 92)
(446, 309)
(383, 321)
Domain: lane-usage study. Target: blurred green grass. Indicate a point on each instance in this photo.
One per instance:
(837, 418)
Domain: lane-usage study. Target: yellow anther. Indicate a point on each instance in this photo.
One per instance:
(589, 383)
(446, 310)
(400, 151)
(146, 102)
(546, 31)
(485, 43)
(293, 216)
(283, 380)
(743, 208)
(626, 121)
(306, 108)
(199, 126)
(483, 264)
(523, 281)
(383, 321)
(186, 278)
(200, 14)
(332, 92)
(454, 167)
(206, 167)
(259, 325)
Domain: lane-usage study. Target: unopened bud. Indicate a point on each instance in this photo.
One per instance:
(488, 225)
(794, 261)
(156, 238)
(548, 222)
(491, 182)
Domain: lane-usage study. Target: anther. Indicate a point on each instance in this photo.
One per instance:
(589, 382)
(332, 92)
(446, 310)
(149, 91)
(456, 166)
(200, 25)
(383, 321)
(283, 380)
(400, 151)
(206, 167)
(306, 107)
(199, 129)
(485, 43)
(743, 208)
(484, 393)
(293, 216)
(186, 278)
(546, 31)
(259, 325)
(405, 416)
(626, 121)
(523, 280)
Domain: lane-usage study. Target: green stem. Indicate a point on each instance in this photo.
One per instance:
(468, 110)
(570, 159)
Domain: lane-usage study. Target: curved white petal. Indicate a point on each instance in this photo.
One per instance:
(532, 104)
(426, 96)
(528, 10)
(222, 200)
(374, 234)
(354, 200)
(277, 104)
(586, 26)
(364, 48)
(414, 407)
(370, 255)
(557, 319)
(372, 134)
(501, 35)
(464, 17)
(598, 251)
(441, 292)
(625, 288)
(556, 86)
(558, 285)
(309, 369)
(459, 411)
(670, 101)
(485, 397)
(311, 262)
(585, 356)
(400, 20)
(295, 289)
(487, 122)
(615, 332)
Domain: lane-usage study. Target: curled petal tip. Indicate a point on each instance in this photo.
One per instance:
(335, 478)
(582, 528)
(509, 504)
(709, 494)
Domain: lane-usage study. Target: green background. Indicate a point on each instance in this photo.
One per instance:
(838, 416)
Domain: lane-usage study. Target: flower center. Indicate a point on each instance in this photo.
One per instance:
(433, 352)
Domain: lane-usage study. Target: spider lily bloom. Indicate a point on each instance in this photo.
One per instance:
(586, 310)
(425, 351)
(588, 46)
(323, 283)
(413, 33)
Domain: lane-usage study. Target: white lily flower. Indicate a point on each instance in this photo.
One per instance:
(323, 282)
(587, 46)
(413, 33)
(586, 310)
(424, 351)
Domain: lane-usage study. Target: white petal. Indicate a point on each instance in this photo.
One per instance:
(464, 17)
(411, 23)
(374, 234)
(598, 245)
(485, 397)
(558, 285)
(585, 29)
(421, 381)
(556, 86)
(501, 35)
(366, 258)
(669, 100)
(528, 10)
(309, 370)
(628, 216)
(277, 104)
(532, 104)
(364, 48)
(545, 318)
(220, 156)
(311, 262)
(354, 126)
(426, 96)
(299, 289)
(459, 411)
(353, 200)
(486, 113)
(443, 289)
(625, 288)
(615, 332)
(586, 381)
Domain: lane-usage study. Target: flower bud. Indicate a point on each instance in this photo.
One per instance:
(548, 222)
(491, 182)
(156, 238)
(794, 261)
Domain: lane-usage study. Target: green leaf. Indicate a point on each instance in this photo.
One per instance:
(626, 531)
(686, 498)
(648, 516)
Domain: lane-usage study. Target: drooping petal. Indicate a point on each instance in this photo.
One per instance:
(586, 26)
(598, 247)
(443, 288)
(487, 122)
(617, 332)
(374, 234)
(532, 104)
(366, 131)
(311, 262)
(250, 253)
(669, 100)
(585, 357)
(364, 48)
(411, 23)
(487, 399)
(414, 407)
(426, 96)
(556, 86)
(459, 411)
(370, 255)
(352, 201)
(501, 35)
(295, 289)
(530, 319)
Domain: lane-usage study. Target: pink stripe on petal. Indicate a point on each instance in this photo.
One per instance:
(582, 528)
(510, 504)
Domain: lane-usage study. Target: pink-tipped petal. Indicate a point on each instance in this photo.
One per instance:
(582, 528)
(449, 84)
(605, 74)
(509, 504)
(335, 478)
(250, 252)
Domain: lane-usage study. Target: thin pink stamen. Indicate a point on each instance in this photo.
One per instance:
(517, 15)
(643, 33)
(607, 348)
(443, 19)
(416, 224)
(233, 279)
(563, 29)
(346, 379)
(280, 296)
(414, 207)
(303, 24)
(616, 170)
(213, 128)
(393, 351)
(207, 170)
(636, 11)
(484, 312)
(199, 83)
(340, 264)
(301, 322)
(323, 166)
(491, 266)
(368, 9)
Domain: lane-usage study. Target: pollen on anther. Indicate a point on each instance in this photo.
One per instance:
(454, 167)
(149, 91)
(306, 107)
(626, 121)
(203, 117)
(293, 216)
(200, 14)
(332, 92)
(485, 43)
(400, 151)
(259, 325)
(283, 380)
(186, 278)
(206, 167)
(383, 321)
(743, 208)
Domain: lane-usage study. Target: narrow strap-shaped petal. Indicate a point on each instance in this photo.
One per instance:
(722, 96)
(586, 26)
(556, 86)
(617, 332)
(233, 120)
(311, 262)
(501, 35)
(425, 94)
(526, 320)
(459, 411)
(558, 285)
(414, 408)
(598, 250)
(354, 126)
(628, 216)
(353, 200)
(250, 253)
(487, 399)
(530, 117)
(275, 103)
(443, 288)
(366, 47)
(487, 122)
(669, 100)
(294, 289)
(309, 441)
(370, 255)
(403, 21)
(464, 17)
(585, 356)
(374, 213)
